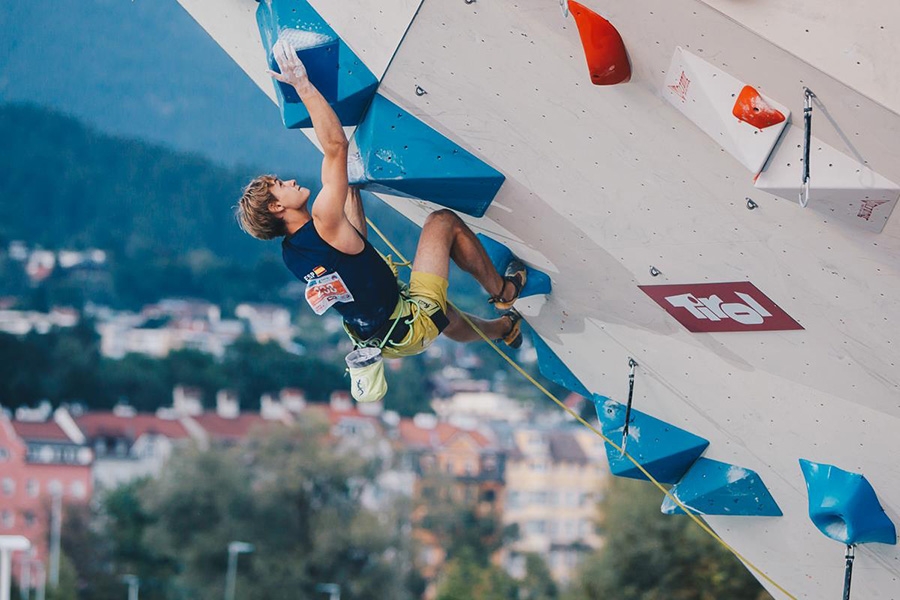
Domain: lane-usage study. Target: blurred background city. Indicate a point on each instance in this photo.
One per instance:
(175, 424)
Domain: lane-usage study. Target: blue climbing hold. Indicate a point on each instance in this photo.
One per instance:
(401, 155)
(844, 506)
(711, 487)
(553, 368)
(334, 69)
(665, 451)
(537, 282)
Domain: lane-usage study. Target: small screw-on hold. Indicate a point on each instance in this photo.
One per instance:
(470, 1)
(751, 204)
(564, 7)
(654, 271)
(632, 363)
(420, 91)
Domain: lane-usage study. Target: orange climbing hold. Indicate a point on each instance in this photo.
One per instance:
(603, 47)
(752, 108)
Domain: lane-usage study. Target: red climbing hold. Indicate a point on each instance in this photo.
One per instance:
(603, 47)
(752, 108)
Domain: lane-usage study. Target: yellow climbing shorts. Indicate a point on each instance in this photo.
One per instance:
(427, 294)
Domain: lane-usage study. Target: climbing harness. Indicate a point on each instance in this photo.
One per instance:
(631, 365)
(848, 570)
(700, 523)
(808, 95)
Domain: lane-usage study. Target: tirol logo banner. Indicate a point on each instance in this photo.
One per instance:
(712, 307)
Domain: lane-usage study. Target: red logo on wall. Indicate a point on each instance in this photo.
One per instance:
(710, 307)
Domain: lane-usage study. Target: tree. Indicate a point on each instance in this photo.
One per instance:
(254, 369)
(296, 498)
(466, 577)
(538, 582)
(651, 556)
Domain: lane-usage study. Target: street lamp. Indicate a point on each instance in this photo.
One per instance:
(55, 535)
(134, 586)
(8, 545)
(41, 579)
(332, 589)
(234, 548)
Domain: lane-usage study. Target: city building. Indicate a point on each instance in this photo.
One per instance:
(128, 445)
(554, 480)
(481, 406)
(436, 452)
(45, 464)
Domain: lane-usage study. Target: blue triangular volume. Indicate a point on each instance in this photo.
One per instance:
(666, 451)
(334, 69)
(717, 488)
(403, 156)
(554, 369)
(537, 282)
(844, 506)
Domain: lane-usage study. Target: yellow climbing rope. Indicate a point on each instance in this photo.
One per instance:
(593, 429)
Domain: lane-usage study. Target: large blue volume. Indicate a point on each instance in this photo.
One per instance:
(537, 282)
(844, 506)
(665, 451)
(717, 488)
(333, 68)
(401, 155)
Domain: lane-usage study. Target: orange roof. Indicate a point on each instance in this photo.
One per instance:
(230, 429)
(442, 433)
(45, 430)
(96, 424)
(335, 416)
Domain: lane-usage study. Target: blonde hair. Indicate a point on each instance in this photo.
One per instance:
(252, 211)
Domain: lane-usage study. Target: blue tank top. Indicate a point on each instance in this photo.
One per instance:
(361, 287)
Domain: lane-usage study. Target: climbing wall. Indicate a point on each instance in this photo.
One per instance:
(615, 192)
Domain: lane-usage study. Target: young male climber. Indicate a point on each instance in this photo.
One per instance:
(326, 247)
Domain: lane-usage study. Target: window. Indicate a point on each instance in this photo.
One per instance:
(7, 519)
(32, 488)
(536, 527)
(583, 528)
(4, 454)
(29, 519)
(78, 489)
(9, 486)
(100, 447)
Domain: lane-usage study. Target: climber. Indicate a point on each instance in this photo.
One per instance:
(325, 246)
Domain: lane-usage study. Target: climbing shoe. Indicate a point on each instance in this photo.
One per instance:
(517, 275)
(513, 337)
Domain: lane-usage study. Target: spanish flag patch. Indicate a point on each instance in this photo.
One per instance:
(319, 271)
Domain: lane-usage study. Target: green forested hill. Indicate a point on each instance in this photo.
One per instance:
(165, 218)
(64, 185)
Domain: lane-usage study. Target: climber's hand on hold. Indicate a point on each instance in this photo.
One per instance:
(292, 70)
